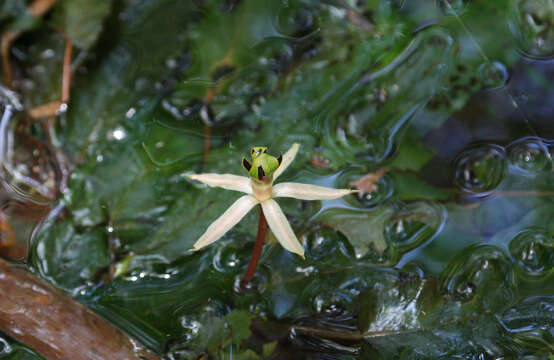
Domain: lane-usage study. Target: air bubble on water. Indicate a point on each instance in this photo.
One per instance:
(474, 271)
(480, 169)
(414, 225)
(494, 75)
(117, 134)
(529, 155)
(533, 252)
(130, 113)
(531, 24)
(191, 327)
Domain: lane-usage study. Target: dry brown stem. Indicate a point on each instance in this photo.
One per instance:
(38, 8)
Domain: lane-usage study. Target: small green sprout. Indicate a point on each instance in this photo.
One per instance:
(259, 189)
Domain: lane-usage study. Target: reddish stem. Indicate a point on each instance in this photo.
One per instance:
(257, 251)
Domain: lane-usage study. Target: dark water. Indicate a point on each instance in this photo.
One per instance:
(451, 103)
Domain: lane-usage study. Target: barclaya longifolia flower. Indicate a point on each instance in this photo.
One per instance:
(263, 170)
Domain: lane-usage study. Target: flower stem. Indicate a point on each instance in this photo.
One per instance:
(257, 251)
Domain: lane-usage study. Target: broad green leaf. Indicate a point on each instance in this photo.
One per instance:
(81, 20)
(68, 257)
(408, 186)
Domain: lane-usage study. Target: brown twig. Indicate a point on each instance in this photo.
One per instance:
(66, 72)
(55, 325)
(52, 108)
(37, 8)
(257, 251)
(207, 142)
(350, 336)
(7, 40)
(45, 110)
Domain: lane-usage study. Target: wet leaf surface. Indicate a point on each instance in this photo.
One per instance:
(449, 256)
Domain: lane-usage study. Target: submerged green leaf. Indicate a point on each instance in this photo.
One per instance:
(449, 257)
(81, 20)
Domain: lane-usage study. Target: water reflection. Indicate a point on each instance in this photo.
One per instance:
(433, 112)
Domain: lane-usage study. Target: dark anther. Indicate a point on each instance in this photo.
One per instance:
(246, 164)
(261, 173)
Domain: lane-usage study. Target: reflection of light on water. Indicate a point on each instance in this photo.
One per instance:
(397, 316)
(130, 113)
(15, 178)
(117, 134)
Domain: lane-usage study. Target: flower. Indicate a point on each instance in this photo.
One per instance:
(262, 192)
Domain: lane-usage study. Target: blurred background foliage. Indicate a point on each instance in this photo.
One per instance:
(441, 111)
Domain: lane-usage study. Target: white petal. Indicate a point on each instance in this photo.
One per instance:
(226, 181)
(288, 157)
(225, 222)
(280, 227)
(308, 191)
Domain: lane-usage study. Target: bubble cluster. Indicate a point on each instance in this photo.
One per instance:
(480, 169)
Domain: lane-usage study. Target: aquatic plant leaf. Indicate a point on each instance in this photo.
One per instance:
(67, 257)
(408, 186)
(11, 9)
(412, 155)
(173, 87)
(81, 20)
(355, 224)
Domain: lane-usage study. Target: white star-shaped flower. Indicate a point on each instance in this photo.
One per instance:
(262, 192)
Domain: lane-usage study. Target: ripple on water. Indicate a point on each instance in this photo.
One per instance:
(453, 7)
(480, 169)
(481, 274)
(529, 155)
(494, 75)
(325, 243)
(533, 253)
(413, 225)
(378, 104)
(531, 23)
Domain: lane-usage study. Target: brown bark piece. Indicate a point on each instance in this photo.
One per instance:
(55, 325)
